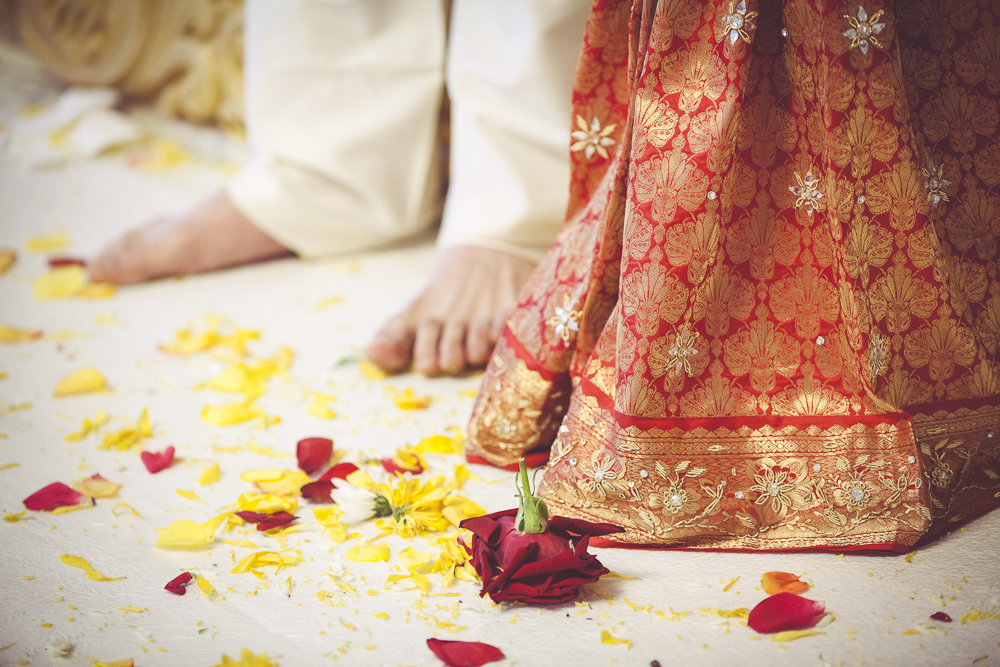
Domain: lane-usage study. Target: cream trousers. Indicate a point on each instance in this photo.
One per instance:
(344, 102)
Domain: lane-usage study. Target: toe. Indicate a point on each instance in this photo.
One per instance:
(451, 351)
(392, 347)
(479, 343)
(425, 347)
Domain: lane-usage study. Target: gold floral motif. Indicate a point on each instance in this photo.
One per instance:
(941, 346)
(679, 356)
(592, 139)
(601, 475)
(773, 488)
(864, 30)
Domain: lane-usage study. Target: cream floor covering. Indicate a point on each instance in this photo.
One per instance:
(880, 605)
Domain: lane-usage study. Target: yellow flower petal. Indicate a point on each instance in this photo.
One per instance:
(129, 436)
(114, 510)
(52, 241)
(230, 413)
(211, 475)
(62, 283)
(263, 558)
(14, 518)
(205, 586)
(407, 400)
(607, 638)
(186, 534)
(98, 488)
(92, 574)
(247, 659)
(267, 503)
(792, 635)
(319, 408)
(290, 484)
(185, 343)
(411, 558)
(96, 291)
(80, 382)
(13, 335)
(264, 475)
(368, 553)
(88, 427)
(184, 493)
(458, 508)
(329, 518)
(117, 663)
(371, 371)
(7, 259)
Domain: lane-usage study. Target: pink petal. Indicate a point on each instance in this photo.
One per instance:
(157, 461)
(393, 469)
(464, 654)
(785, 611)
(177, 584)
(52, 496)
(314, 453)
(941, 616)
(339, 471)
(56, 262)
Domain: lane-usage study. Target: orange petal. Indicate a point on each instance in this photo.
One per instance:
(782, 582)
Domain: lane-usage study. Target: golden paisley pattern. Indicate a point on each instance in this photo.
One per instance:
(787, 279)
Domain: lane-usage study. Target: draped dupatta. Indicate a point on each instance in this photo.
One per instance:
(771, 319)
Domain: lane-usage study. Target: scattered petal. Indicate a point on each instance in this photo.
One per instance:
(782, 582)
(339, 471)
(267, 521)
(186, 534)
(114, 510)
(263, 558)
(289, 484)
(319, 408)
(92, 574)
(184, 493)
(129, 436)
(318, 491)
(56, 262)
(211, 475)
(11, 517)
(205, 587)
(52, 496)
(407, 400)
(185, 343)
(230, 413)
(117, 663)
(7, 259)
(98, 487)
(51, 241)
(247, 659)
(265, 502)
(941, 616)
(785, 611)
(314, 454)
(464, 654)
(80, 382)
(608, 638)
(395, 466)
(371, 371)
(14, 335)
(178, 585)
(368, 553)
(157, 461)
(88, 427)
(792, 635)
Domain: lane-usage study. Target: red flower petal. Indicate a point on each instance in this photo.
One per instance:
(56, 262)
(393, 469)
(313, 453)
(785, 611)
(177, 584)
(318, 491)
(52, 496)
(157, 461)
(941, 616)
(267, 521)
(339, 471)
(464, 654)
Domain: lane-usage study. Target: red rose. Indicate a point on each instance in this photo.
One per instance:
(544, 567)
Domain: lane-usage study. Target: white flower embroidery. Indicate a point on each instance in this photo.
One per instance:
(807, 192)
(936, 184)
(682, 350)
(738, 22)
(863, 30)
(565, 320)
(592, 139)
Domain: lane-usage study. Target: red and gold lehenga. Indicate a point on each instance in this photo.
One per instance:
(771, 320)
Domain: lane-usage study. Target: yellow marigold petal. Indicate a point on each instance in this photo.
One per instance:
(264, 474)
(230, 413)
(247, 659)
(205, 586)
(211, 475)
(290, 484)
(407, 400)
(319, 408)
(368, 553)
(52, 241)
(185, 343)
(437, 444)
(117, 663)
(14, 335)
(608, 638)
(96, 291)
(362, 480)
(62, 283)
(185, 534)
(184, 493)
(74, 561)
(412, 558)
(98, 488)
(7, 259)
(792, 635)
(14, 518)
(266, 503)
(80, 382)
(114, 510)
(458, 508)
(371, 371)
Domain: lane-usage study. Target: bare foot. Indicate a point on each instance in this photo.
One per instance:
(213, 235)
(455, 321)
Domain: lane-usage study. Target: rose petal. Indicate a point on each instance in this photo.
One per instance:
(56, 262)
(267, 521)
(339, 471)
(941, 616)
(318, 491)
(785, 611)
(177, 584)
(52, 496)
(394, 468)
(464, 654)
(79, 382)
(157, 461)
(313, 454)
(781, 582)
(98, 487)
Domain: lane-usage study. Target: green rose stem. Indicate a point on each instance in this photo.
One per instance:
(532, 512)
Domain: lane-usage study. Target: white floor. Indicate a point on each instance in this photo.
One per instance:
(880, 604)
